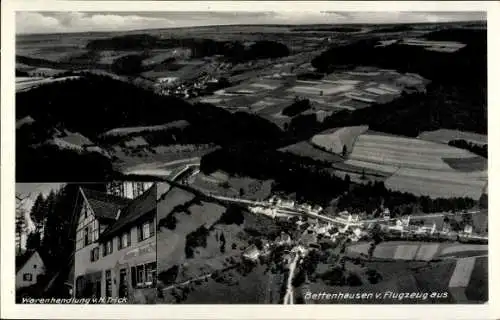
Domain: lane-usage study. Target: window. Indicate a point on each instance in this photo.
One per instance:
(152, 228)
(140, 274)
(94, 254)
(137, 189)
(85, 212)
(95, 231)
(144, 275)
(34, 266)
(151, 273)
(146, 230)
(124, 241)
(108, 247)
(86, 236)
(27, 277)
(116, 188)
(109, 289)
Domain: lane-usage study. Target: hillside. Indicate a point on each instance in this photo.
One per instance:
(456, 98)
(93, 105)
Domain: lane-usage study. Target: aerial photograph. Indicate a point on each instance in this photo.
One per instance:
(329, 157)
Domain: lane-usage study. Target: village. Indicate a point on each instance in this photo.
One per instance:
(314, 231)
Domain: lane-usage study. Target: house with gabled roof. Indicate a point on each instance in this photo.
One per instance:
(29, 266)
(115, 248)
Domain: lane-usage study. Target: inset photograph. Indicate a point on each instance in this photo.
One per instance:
(86, 243)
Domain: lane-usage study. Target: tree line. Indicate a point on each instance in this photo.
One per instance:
(312, 181)
(480, 150)
(235, 51)
(372, 196)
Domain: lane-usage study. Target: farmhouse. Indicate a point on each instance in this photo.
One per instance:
(427, 228)
(29, 266)
(115, 250)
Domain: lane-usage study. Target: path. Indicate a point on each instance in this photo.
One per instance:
(289, 290)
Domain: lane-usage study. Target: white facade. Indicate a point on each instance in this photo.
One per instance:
(428, 228)
(27, 275)
(121, 266)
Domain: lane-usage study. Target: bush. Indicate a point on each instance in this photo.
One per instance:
(232, 215)
(353, 280)
(197, 238)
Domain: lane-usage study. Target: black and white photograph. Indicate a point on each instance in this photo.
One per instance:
(252, 157)
(86, 243)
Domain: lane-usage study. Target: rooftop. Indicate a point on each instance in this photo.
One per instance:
(104, 205)
(133, 212)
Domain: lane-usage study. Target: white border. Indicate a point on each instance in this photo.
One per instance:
(11, 310)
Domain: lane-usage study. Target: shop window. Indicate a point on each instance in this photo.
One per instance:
(144, 276)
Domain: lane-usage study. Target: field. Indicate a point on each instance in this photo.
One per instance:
(160, 161)
(181, 124)
(237, 287)
(339, 139)
(137, 166)
(467, 164)
(401, 250)
(477, 289)
(171, 243)
(446, 135)
(29, 83)
(405, 152)
(421, 167)
(224, 185)
(181, 218)
(396, 277)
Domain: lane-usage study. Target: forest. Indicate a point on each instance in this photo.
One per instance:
(232, 50)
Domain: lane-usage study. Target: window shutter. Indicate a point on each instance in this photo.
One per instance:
(152, 228)
(140, 232)
(134, 279)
